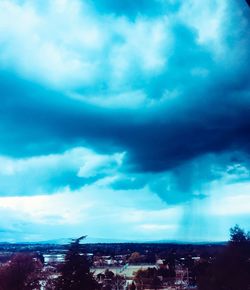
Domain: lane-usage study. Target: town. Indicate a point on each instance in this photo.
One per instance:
(127, 266)
(122, 265)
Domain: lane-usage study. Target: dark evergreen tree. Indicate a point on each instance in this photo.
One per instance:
(231, 269)
(75, 272)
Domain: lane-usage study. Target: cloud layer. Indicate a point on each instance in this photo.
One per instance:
(125, 100)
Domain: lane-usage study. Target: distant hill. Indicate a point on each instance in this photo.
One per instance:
(187, 242)
(88, 240)
(93, 240)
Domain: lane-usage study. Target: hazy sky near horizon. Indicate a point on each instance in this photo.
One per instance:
(124, 119)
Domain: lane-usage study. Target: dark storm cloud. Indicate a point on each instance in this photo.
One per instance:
(192, 179)
(217, 120)
(210, 115)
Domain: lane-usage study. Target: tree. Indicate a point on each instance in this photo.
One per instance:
(75, 272)
(238, 235)
(109, 280)
(231, 269)
(20, 273)
(149, 278)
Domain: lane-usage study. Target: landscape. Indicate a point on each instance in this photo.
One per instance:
(124, 144)
(132, 266)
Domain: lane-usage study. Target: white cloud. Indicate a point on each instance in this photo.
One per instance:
(94, 164)
(35, 175)
(156, 227)
(46, 47)
(93, 210)
(230, 200)
(143, 44)
(129, 99)
(208, 19)
(67, 45)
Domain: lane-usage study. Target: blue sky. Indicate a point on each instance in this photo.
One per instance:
(124, 119)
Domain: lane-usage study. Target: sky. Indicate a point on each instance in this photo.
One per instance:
(124, 120)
